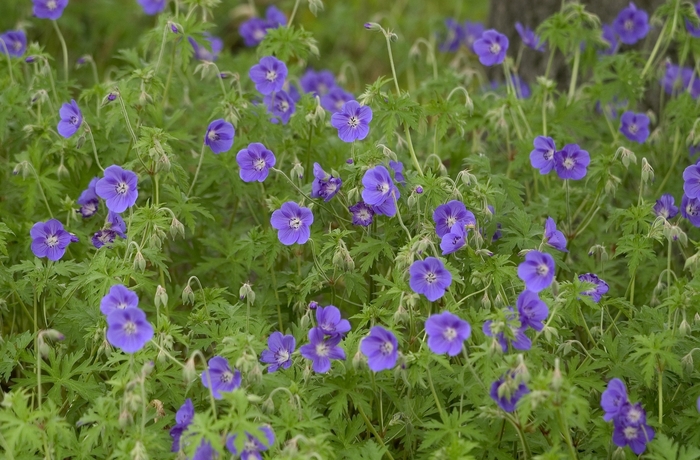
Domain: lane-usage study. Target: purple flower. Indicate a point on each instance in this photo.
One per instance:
(292, 222)
(352, 121)
(691, 178)
(631, 428)
(555, 238)
(522, 89)
(446, 333)
(205, 451)
(397, 167)
(219, 136)
(255, 162)
(280, 105)
(128, 329)
(49, 9)
(676, 78)
(430, 278)
(183, 419)
(317, 83)
(571, 162)
(690, 209)
(631, 24)
(537, 271)
(495, 329)
(610, 37)
(613, 398)
(268, 75)
(692, 29)
(666, 207)
(330, 322)
(152, 7)
(542, 157)
(49, 239)
(220, 378)
(119, 297)
(491, 47)
(447, 215)
(635, 126)
(275, 17)
(381, 349)
(13, 42)
(531, 310)
(279, 351)
(599, 288)
(324, 185)
(203, 54)
(506, 391)
(103, 237)
(335, 98)
(118, 188)
(379, 191)
(253, 445)
(116, 223)
(362, 214)
(454, 240)
(88, 200)
(253, 31)
(320, 350)
(453, 37)
(71, 119)
(529, 38)
(472, 32)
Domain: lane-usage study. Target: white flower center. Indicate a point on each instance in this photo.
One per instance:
(259, 34)
(386, 348)
(226, 377)
(569, 163)
(129, 328)
(17, 46)
(331, 187)
(629, 24)
(363, 214)
(213, 136)
(450, 333)
(90, 208)
(120, 306)
(322, 350)
(353, 122)
(259, 164)
(282, 356)
(633, 128)
(430, 277)
(634, 415)
(542, 270)
(51, 241)
(271, 75)
(284, 106)
(630, 432)
(295, 223)
(495, 48)
(51, 4)
(691, 210)
(122, 188)
(383, 187)
(451, 221)
(548, 154)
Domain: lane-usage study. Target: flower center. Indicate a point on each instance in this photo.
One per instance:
(282, 356)
(634, 415)
(330, 187)
(353, 121)
(294, 223)
(259, 164)
(129, 328)
(250, 446)
(495, 48)
(542, 270)
(569, 163)
(548, 154)
(213, 136)
(691, 210)
(271, 75)
(120, 306)
(322, 350)
(73, 120)
(51, 241)
(664, 213)
(456, 239)
(383, 187)
(630, 432)
(106, 237)
(226, 377)
(633, 128)
(386, 348)
(17, 46)
(430, 277)
(450, 333)
(363, 214)
(122, 188)
(259, 34)
(629, 24)
(284, 106)
(51, 4)
(90, 208)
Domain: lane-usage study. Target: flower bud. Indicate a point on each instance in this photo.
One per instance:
(557, 378)
(350, 161)
(147, 368)
(268, 406)
(647, 171)
(358, 361)
(176, 228)
(189, 371)
(161, 297)
(684, 329)
(80, 142)
(188, 295)
(687, 363)
(30, 59)
(174, 28)
(401, 316)
(419, 189)
(297, 170)
(63, 172)
(393, 37)
(246, 292)
(372, 26)
(139, 452)
(485, 300)
(139, 262)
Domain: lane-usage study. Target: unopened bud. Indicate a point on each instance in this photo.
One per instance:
(246, 292)
(30, 59)
(499, 301)
(627, 156)
(372, 26)
(176, 228)
(401, 316)
(80, 142)
(268, 406)
(687, 363)
(63, 172)
(684, 329)
(358, 361)
(393, 37)
(161, 297)
(485, 300)
(297, 170)
(188, 295)
(313, 305)
(174, 28)
(647, 171)
(139, 262)
(557, 378)
(189, 371)
(147, 368)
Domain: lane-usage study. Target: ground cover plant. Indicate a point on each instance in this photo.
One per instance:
(280, 241)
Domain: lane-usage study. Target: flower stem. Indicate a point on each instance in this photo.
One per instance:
(94, 147)
(443, 414)
(9, 61)
(196, 173)
(656, 49)
(661, 399)
(64, 48)
(574, 76)
(374, 431)
(162, 48)
(294, 13)
(526, 448)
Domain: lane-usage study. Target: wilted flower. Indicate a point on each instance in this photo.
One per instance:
(324, 185)
(599, 288)
(88, 199)
(529, 38)
(553, 237)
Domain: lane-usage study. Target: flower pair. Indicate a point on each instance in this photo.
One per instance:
(324, 339)
(452, 224)
(629, 419)
(127, 326)
(571, 162)
(379, 191)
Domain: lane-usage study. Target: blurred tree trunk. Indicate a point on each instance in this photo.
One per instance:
(505, 13)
